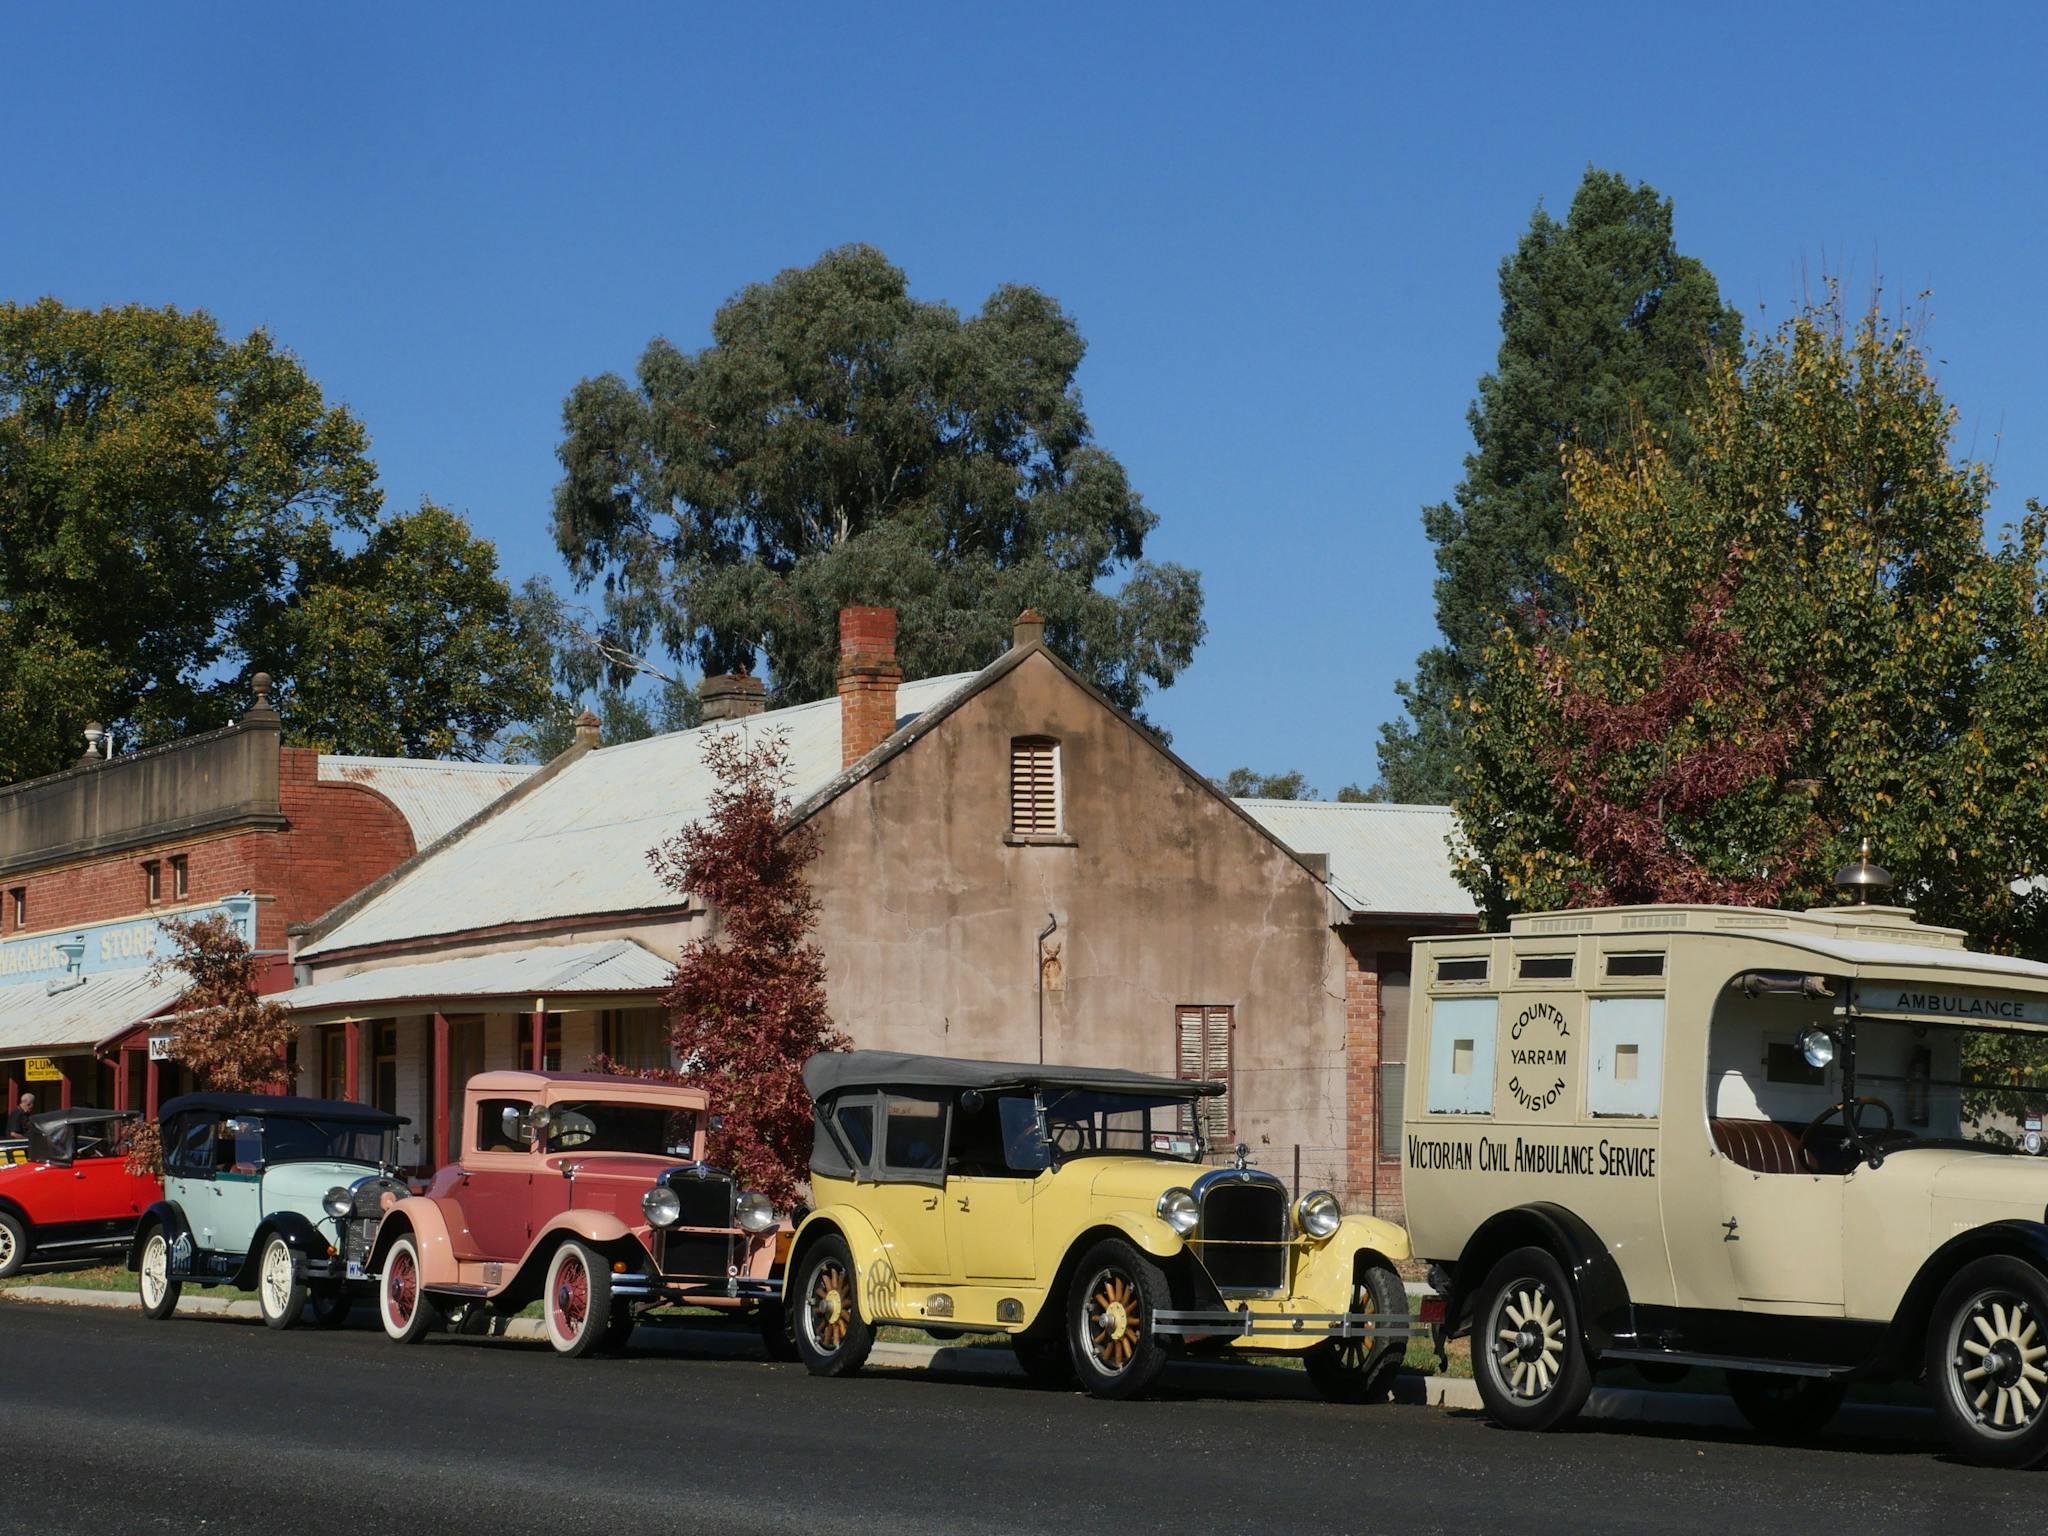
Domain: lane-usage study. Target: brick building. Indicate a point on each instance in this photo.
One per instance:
(1010, 868)
(231, 822)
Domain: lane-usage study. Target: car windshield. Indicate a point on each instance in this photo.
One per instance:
(322, 1141)
(1081, 1124)
(1951, 1085)
(595, 1126)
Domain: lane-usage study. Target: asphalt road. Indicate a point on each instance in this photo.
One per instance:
(112, 1424)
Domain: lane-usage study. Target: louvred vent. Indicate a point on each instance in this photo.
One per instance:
(1205, 1057)
(1034, 786)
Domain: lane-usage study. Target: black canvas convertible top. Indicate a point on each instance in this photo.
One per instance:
(53, 1135)
(280, 1106)
(831, 1072)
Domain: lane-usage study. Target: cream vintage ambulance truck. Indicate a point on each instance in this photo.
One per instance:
(1800, 1147)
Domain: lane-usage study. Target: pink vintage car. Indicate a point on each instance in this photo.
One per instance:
(590, 1194)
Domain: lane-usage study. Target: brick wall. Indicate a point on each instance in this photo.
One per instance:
(339, 837)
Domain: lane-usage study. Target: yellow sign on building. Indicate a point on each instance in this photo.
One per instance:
(40, 1069)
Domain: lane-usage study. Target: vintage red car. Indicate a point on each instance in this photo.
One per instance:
(586, 1192)
(73, 1197)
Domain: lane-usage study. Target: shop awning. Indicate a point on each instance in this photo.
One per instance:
(37, 1021)
(521, 979)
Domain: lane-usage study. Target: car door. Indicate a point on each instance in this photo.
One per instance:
(110, 1198)
(495, 1188)
(237, 1185)
(909, 1190)
(993, 1162)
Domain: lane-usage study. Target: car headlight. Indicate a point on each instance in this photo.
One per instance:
(756, 1212)
(663, 1206)
(1317, 1213)
(1177, 1208)
(338, 1203)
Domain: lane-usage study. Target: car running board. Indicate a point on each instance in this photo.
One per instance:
(1725, 1362)
(1330, 1325)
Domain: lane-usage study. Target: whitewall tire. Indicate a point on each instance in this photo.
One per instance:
(280, 1294)
(403, 1305)
(153, 1277)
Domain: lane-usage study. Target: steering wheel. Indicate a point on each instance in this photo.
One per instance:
(1068, 1137)
(1821, 1119)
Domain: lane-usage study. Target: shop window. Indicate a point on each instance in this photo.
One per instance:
(1393, 1052)
(334, 1062)
(18, 900)
(179, 881)
(1461, 1040)
(1625, 1046)
(1202, 1034)
(152, 882)
(551, 1043)
(1034, 787)
(636, 1037)
(384, 1074)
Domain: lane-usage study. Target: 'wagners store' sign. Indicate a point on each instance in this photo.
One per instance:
(122, 946)
(1906, 1000)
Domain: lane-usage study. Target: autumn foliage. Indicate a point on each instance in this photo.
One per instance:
(748, 1002)
(230, 1037)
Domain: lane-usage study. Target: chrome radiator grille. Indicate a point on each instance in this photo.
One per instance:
(1244, 1235)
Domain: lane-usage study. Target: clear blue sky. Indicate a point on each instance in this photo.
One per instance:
(1278, 227)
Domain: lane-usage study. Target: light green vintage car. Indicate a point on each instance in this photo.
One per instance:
(262, 1192)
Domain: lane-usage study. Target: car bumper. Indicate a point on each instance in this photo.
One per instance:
(1223, 1322)
(673, 1288)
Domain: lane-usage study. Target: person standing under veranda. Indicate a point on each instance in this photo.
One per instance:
(17, 1117)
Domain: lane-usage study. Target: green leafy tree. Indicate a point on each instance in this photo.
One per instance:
(412, 647)
(583, 668)
(842, 442)
(1787, 635)
(1248, 784)
(178, 511)
(1603, 325)
(1358, 794)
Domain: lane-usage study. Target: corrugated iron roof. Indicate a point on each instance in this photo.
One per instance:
(32, 1018)
(1383, 858)
(607, 967)
(434, 797)
(577, 845)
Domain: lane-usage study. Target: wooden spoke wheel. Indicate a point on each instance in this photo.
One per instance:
(1117, 1350)
(1987, 1361)
(1527, 1353)
(831, 1336)
(1362, 1370)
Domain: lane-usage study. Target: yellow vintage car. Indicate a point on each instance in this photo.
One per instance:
(1069, 1208)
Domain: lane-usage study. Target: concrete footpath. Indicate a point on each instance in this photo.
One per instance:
(1621, 1404)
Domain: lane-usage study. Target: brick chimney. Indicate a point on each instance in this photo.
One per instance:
(1028, 631)
(733, 696)
(868, 676)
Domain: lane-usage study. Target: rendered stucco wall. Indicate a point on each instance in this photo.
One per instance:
(1164, 896)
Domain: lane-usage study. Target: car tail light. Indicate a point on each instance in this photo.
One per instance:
(1432, 1310)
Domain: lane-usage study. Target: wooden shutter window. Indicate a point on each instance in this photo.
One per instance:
(1203, 1055)
(1034, 787)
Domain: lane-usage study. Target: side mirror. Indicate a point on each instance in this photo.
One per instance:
(717, 1122)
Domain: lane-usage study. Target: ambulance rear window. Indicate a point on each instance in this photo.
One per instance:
(1461, 970)
(1635, 965)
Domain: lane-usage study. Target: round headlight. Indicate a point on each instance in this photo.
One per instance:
(1178, 1210)
(1317, 1213)
(338, 1203)
(1817, 1046)
(756, 1211)
(662, 1205)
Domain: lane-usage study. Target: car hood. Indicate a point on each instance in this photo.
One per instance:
(1997, 1178)
(1130, 1178)
(300, 1186)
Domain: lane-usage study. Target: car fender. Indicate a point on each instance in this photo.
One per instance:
(874, 1277)
(423, 1217)
(2026, 1241)
(1329, 1270)
(1147, 1231)
(300, 1235)
(1602, 1294)
(165, 1213)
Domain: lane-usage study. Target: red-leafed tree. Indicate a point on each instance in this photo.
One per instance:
(1677, 793)
(234, 1039)
(748, 1001)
